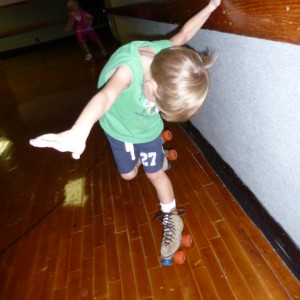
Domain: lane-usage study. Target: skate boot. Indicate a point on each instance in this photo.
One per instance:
(172, 233)
(167, 165)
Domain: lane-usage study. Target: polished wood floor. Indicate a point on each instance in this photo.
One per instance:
(75, 230)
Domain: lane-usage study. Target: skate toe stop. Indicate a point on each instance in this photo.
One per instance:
(166, 261)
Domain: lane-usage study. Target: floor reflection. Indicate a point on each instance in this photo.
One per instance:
(40, 93)
(75, 193)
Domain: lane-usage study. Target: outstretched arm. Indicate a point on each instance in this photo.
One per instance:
(191, 27)
(73, 140)
(70, 24)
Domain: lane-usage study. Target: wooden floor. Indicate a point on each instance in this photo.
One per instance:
(75, 230)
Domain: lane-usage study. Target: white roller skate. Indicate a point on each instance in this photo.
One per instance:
(172, 238)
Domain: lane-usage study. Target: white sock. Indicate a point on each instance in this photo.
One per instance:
(168, 207)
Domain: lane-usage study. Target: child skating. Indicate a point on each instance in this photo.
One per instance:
(142, 83)
(84, 29)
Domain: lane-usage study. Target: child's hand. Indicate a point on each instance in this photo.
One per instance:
(215, 3)
(89, 18)
(67, 141)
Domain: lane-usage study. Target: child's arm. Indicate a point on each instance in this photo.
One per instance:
(70, 24)
(73, 140)
(89, 17)
(191, 27)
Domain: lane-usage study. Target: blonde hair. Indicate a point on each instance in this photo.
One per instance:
(70, 3)
(182, 81)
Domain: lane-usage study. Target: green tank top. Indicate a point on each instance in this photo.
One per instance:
(132, 118)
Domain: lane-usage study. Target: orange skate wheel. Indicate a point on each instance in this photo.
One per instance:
(166, 135)
(186, 240)
(179, 257)
(171, 154)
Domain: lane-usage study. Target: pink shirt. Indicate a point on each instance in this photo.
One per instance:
(83, 23)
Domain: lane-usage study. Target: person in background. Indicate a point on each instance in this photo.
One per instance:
(84, 29)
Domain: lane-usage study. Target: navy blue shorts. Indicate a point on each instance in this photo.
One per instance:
(127, 155)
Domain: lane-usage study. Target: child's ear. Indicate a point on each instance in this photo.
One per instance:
(153, 85)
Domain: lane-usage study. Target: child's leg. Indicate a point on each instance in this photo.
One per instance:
(163, 186)
(128, 158)
(85, 47)
(171, 220)
(88, 56)
(100, 45)
(94, 37)
(83, 44)
(152, 158)
(131, 174)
